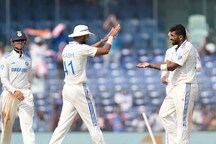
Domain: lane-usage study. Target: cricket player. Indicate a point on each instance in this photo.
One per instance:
(164, 75)
(76, 95)
(16, 96)
(166, 78)
(176, 110)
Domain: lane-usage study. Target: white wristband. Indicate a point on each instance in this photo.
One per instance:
(163, 67)
(110, 40)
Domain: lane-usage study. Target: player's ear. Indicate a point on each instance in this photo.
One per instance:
(181, 37)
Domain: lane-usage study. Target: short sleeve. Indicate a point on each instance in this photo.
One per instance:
(88, 50)
(182, 55)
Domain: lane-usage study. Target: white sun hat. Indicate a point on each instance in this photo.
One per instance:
(80, 30)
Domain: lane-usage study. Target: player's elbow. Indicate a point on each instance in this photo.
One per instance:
(103, 51)
(106, 51)
(171, 69)
(172, 66)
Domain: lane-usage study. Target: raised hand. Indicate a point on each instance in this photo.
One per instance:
(113, 32)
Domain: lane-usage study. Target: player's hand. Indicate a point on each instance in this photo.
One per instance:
(113, 32)
(143, 65)
(19, 95)
(164, 80)
(116, 30)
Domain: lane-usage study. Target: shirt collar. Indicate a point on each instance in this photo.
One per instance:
(73, 42)
(181, 46)
(16, 54)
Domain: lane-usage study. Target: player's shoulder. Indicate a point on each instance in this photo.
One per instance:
(66, 48)
(188, 44)
(8, 55)
(169, 50)
(27, 56)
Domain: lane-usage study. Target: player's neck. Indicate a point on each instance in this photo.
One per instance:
(180, 43)
(19, 51)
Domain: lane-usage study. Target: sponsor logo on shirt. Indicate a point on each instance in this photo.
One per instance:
(18, 69)
(26, 63)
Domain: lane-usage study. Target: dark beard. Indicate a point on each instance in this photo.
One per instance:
(175, 43)
(83, 41)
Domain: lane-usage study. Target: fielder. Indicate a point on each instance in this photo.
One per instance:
(176, 110)
(76, 95)
(166, 79)
(164, 75)
(16, 96)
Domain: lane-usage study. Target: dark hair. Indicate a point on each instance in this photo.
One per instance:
(179, 29)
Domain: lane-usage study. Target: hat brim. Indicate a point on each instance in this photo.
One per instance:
(80, 34)
(18, 39)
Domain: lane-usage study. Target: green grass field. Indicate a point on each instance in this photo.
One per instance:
(115, 138)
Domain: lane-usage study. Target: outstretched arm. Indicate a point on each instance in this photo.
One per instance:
(170, 66)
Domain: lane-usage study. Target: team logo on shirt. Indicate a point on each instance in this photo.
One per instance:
(26, 63)
(179, 57)
(198, 58)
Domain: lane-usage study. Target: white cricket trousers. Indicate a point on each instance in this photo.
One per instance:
(176, 113)
(25, 111)
(77, 99)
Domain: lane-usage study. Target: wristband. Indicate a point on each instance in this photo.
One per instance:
(110, 40)
(163, 67)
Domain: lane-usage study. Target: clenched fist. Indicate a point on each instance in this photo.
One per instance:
(19, 95)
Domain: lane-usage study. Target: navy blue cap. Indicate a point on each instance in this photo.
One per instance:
(18, 35)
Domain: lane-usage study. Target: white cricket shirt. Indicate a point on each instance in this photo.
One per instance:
(74, 58)
(16, 72)
(186, 57)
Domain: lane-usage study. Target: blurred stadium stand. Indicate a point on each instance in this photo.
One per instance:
(138, 38)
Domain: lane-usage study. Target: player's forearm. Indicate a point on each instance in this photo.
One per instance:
(99, 43)
(7, 84)
(104, 50)
(155, 66)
